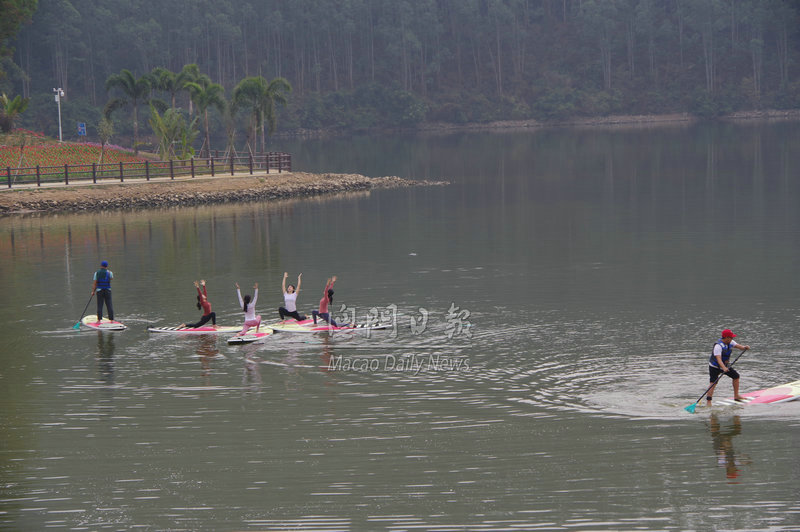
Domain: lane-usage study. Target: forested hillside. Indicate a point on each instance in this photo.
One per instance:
(384, 63)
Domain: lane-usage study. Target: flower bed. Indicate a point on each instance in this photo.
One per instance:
(61, 154)
(30, 150)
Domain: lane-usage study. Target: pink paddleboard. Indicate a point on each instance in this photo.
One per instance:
(250, 336)
(777, 394)
(308, 326)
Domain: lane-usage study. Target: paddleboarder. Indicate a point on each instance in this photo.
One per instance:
(204, 305)
(102, 288)
(327, 298)
(718, 363)
(289, 308)
(249, 308)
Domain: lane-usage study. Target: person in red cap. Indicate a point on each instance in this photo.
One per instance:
(718, 363)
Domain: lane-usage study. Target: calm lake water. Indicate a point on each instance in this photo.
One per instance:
(554, 308)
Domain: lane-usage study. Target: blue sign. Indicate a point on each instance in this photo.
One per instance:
(82, 128)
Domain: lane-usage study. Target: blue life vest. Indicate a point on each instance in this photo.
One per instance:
(103, 279)
(726, 353)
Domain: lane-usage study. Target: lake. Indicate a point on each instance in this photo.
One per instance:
(552, 311)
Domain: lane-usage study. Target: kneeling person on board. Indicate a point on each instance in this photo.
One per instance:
(718, 363)
(102, 287)
(249, 308)
(327, 298)
(202, 303)
(290, 300)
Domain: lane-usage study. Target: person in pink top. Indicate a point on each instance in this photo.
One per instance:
(327, 298)
(249, 308)
(202, 303)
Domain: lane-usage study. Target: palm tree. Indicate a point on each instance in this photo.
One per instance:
(260, 96)
(165, 80)
(174, 82)
(136, 92)
(277, 89)
(10, 109)
(189, 73)
(249, 94)
(206, 94)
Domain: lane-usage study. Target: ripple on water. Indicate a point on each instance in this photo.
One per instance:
(549, 366)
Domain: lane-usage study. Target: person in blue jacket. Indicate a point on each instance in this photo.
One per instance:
(102, 287)
(719, 361)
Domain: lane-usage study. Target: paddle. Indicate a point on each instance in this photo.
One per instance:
(692, 406)
(78, 325)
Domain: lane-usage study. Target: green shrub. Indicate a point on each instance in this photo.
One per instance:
(556, 104)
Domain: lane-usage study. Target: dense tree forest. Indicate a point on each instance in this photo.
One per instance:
(356, 64)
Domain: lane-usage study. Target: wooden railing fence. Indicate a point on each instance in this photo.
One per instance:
(147, 170)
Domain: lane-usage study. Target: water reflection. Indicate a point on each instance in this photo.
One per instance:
(325, 356)
(251, 373)
(291, 361)
(105, 358)
(722, 439)
(207, 350)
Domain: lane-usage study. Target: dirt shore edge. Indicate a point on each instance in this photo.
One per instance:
(191, 192)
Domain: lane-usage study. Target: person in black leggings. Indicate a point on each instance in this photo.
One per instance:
(290, 300)
(202, 303)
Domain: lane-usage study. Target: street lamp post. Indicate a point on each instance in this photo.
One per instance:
(59, 94)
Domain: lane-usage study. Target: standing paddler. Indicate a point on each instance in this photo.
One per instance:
(718, 364)
(102, 287)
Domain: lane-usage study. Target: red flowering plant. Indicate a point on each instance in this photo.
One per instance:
(22, 160)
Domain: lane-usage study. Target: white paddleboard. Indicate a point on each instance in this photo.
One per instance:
(206, 329)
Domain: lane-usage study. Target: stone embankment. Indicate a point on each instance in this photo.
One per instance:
(190, 192)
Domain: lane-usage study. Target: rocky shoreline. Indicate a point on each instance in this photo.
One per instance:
(191, 192)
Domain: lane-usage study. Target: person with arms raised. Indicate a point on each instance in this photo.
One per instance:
(327, 298)
(202, 303)
(290, 299)
(249, 308)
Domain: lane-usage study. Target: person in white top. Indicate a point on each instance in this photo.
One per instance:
(719, 364)
(249, 308)
(289, 307)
